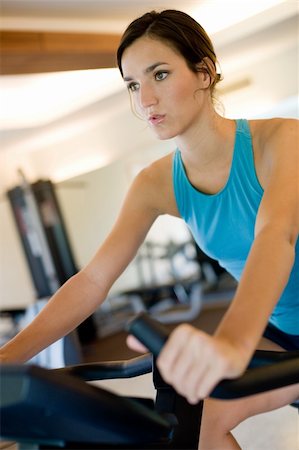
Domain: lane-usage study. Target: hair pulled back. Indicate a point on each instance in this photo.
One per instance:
(179, 30)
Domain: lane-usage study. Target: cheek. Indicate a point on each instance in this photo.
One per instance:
(184, 94)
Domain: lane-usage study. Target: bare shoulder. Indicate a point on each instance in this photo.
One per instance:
(275, 144)
(155, 181)
(278, 167)
(157, 170)
(275, 133)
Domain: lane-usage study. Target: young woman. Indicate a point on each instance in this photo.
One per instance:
(235, 183)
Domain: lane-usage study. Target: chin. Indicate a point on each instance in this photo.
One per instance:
(164, 135)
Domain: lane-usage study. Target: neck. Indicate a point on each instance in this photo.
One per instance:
(208, 141)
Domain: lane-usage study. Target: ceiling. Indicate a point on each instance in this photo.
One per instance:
(114, 15)
(256, 42)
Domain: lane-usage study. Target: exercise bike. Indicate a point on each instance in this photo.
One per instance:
(51, 409)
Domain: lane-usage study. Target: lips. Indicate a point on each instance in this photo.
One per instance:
(156, 119)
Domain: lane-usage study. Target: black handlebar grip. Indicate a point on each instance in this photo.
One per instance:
(149, 332)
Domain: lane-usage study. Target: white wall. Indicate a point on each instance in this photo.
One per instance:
(90, 204)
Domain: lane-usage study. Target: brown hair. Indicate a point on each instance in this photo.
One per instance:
(181, 31)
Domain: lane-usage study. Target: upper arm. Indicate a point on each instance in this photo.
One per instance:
(139, 211)
(280, 204)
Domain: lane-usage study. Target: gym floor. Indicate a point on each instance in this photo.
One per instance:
(277, 430)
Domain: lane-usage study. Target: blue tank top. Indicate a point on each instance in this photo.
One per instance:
(223, 224)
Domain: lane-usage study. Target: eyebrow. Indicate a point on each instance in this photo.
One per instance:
(147, 70)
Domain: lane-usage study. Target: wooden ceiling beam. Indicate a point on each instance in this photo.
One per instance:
(36, 52)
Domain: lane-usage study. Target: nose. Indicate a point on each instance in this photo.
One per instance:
(147, 96)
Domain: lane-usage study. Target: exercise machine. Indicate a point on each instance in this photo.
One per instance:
(45, 241)
(52, 409)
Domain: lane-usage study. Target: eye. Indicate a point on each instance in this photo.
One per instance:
(133, 86)
(161, 75)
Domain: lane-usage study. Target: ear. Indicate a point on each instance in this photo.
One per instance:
(207, 68)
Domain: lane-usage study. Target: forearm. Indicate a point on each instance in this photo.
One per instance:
(72, 304)
(264, 278)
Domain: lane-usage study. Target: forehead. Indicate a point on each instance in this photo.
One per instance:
(146, 51)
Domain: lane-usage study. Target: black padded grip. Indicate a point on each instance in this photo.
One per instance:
(149, 332)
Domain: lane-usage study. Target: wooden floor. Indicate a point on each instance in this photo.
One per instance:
(114, 347)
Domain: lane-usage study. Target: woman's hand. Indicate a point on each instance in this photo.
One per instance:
(194, 362)
(135, 345)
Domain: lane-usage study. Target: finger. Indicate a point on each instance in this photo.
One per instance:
(207, 383)
(135, 345)
(191, 383)
(197, 371)
(179, 375)
(200, 365)
(173, 351)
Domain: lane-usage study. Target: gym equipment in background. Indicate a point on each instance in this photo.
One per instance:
(175, 281)
(33, 239)
(43, 409)
(45, 241)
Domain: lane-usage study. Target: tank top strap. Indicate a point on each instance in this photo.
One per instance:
(243, 127)
(243, 161)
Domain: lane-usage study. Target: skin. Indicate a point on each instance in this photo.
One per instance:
(176, 102)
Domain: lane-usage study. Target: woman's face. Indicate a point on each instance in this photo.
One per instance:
(164, 90)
